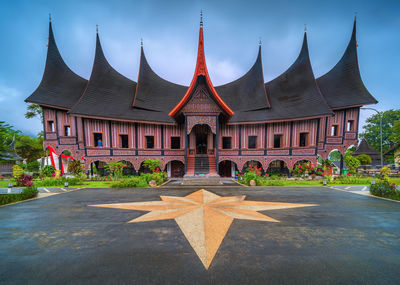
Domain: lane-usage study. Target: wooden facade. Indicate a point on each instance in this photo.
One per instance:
(199, 128)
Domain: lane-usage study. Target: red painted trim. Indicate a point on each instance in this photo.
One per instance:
(201, 69)
(277, 121)
(123, 120)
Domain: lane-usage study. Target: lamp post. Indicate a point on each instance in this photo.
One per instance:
(380, 127)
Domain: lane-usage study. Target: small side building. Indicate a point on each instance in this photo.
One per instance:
(395, 151)
(365, 148)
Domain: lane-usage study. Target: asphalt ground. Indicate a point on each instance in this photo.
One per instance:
(346, 239)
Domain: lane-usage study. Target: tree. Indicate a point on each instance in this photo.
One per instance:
(395, 136)
(372, 131)
(29, 148)
(364, 159)
(33, 110)
(351, 162)
(335, 155)
(350, 150)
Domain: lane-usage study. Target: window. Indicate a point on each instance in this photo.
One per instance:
(123, 141)
(50, 126)
(350, 125)
(98, 139)
(67, 131)
(149, 141)
(277, 141)
(303, 139)
(175, 142)
(226, 142)
(334, 131)
(252, 142)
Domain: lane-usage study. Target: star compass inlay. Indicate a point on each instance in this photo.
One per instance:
(203, 217)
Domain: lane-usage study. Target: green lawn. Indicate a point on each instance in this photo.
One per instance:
(107, 184)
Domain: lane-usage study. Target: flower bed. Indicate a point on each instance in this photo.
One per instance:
(27, 193)
(384, 188)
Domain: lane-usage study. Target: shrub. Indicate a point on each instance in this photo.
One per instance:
(351, 162)
(25, 181)
(303, 168)
(159, 177)
(22, 165)
(384, 189)
(137, 181)
(48, 171)
(251, 175)
(364, 159)
(50, 181)
(385, 171)
(75, 167)
(17, 171)
(115, 169)
(27, 193)
(351, 179)
(33, 166)
(152, 164)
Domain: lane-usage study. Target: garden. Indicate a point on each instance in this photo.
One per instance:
(29, 177)
(305, 174)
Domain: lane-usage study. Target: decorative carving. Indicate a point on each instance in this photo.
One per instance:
(211, 121)
(201, 102)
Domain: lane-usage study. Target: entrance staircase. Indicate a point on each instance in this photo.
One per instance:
(201, 164)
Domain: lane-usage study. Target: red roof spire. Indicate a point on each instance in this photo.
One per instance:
(201, 69)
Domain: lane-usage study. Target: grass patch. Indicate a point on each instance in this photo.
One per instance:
(27, 193)
(4, 183)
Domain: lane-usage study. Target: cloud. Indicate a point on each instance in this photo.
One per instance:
(12, 110)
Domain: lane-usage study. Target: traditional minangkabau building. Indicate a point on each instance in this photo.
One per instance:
(201, 128)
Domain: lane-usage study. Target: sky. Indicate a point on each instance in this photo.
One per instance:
(169, 30)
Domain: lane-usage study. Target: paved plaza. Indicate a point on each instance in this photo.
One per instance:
(203, 235)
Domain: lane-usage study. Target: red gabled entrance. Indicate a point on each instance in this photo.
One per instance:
(201, 70)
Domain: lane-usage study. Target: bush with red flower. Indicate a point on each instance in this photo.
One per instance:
(303, 168)
(25, 180)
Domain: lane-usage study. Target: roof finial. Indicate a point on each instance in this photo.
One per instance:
(201, 18)
(141, 42)
(97, 29)
(259, 41)
(49, 17)
(305, 27)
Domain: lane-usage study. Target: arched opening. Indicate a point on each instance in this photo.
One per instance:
(227, 168)
(64, 160)
(201, 140)
(336, 157)
(278, 167)
(97, 168)
(175, 168)
(143, 169)
(252, 163)
(129, 169)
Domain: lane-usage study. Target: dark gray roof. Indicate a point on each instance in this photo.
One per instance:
(60, 87)
(246, 93)
(365, 148)
(108, 94)
(342, 86)
(294, 94)
(156, 94)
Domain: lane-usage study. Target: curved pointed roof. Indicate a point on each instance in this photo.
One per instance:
(342, 86)
(294, 93)
(365, 148)
(246, 93)
(60, 86)
(154, 93)
(201, 70)
(108, 94)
